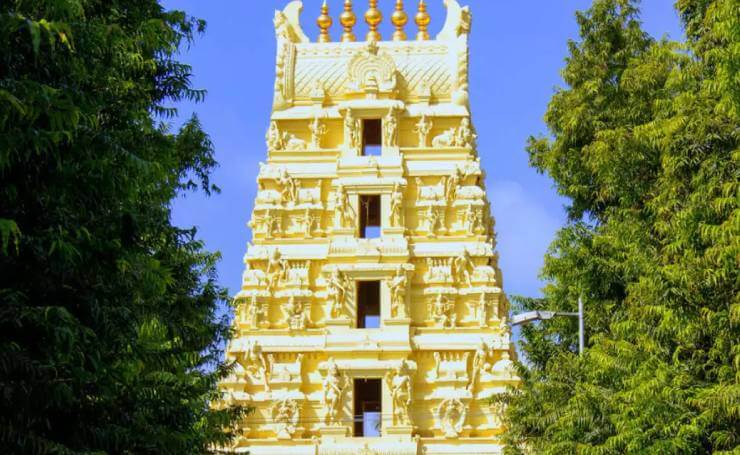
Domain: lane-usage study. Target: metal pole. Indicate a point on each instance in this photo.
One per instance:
(580, 326)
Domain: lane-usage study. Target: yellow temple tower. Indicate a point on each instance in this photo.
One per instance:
(371, 318)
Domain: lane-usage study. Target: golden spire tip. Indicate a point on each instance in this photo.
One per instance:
(399, 19)
(348, 20)
(373, 17)
(324, 22)
(422, 21)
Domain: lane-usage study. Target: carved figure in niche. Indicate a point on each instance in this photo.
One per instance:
(462, 268)
(337, 292)
(286, 372)
(390, 129)
(473, 221)
(293, 143)
(398, 286)
(482, 309)
(335, 383)
(480, 365)
(274, 138)
(271, 224)
(451, 184)
(286, 415)
(352, 131)
(289, 186)
(464, 136)
(423, 128)
(451, 414)
(296, 314)
(397, 206)
(342, 208)
(443, 311)
(446, 139)
(256, 367)
(308, 222)
(277, 269)
(401, 386)
(318, 131)
(257, 312)
(433, 222)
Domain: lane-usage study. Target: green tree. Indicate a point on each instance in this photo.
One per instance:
(109, 329)
(644, 142)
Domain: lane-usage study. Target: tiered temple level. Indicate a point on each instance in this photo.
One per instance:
(371, 304)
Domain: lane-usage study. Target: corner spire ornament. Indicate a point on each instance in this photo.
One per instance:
(348, 20)
(422, 21)
(373, 17)
(324, 22)
(399, 19)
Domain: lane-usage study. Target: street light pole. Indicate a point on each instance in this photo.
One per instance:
(531, 316)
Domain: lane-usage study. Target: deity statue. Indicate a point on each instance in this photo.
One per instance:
(451, 414)
(397, 206)
(443, 311)
(423, 128)
(342, 208)
(335, 383)
(336, 291)
(286, 415)
(433, 223)
(352, 131)
(464, 137)
(398, 286)
(463, 267)
(296, 314)
(390, 130)
(257, 312)
(318, 131)
(275, 139)
(256, 366)
(277, 269)
(289, 186)
(480, 365)
(482, 309)
(401, 387)
(451, 184)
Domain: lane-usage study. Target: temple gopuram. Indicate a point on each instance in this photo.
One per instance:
(371, 317)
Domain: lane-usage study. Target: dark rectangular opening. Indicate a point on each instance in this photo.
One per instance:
(372, 137)
(368, 304)
(369, 216)
(368, 397)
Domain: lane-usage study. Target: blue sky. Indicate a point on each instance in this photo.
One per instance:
(517, 51)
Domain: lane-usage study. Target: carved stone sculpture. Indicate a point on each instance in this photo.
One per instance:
(286, 415)
(423, 128)
(451, 415)
(446, 139)
(255, 365)
(256, 313)
(289, 186)
(398, 286)
(443, 311)
(479, 366)
(293, 143)
(432, 221)
(342, 208)
(464, 136)
(352, 131)
(482, 309)
(296, 314)
(335, 384)
(390, 130)
(401, 387)
(274, 138)
(396, 206)
(336, 293)
(463, 267)
(277, 269)
(318, 131)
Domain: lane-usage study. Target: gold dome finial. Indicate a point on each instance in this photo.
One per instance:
(373, 17)
(348, 20)
(324, 22)
(422, 21)
(399, 19)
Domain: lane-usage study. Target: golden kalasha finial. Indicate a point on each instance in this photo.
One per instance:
(348, 20)
(422, 21)
(399, 19)
(373, 17)
(324, 21)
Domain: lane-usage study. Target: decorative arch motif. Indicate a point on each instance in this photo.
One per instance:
(372, 73)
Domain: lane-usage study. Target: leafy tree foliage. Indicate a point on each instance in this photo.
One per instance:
(645, 144)
(109, 335)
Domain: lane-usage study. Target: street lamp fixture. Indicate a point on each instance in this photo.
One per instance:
(539, 315)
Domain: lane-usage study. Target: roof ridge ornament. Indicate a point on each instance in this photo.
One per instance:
(348, 20)
(422, 21)
(288, 23)
(324, 22)
(373, 17)
(399, 19)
